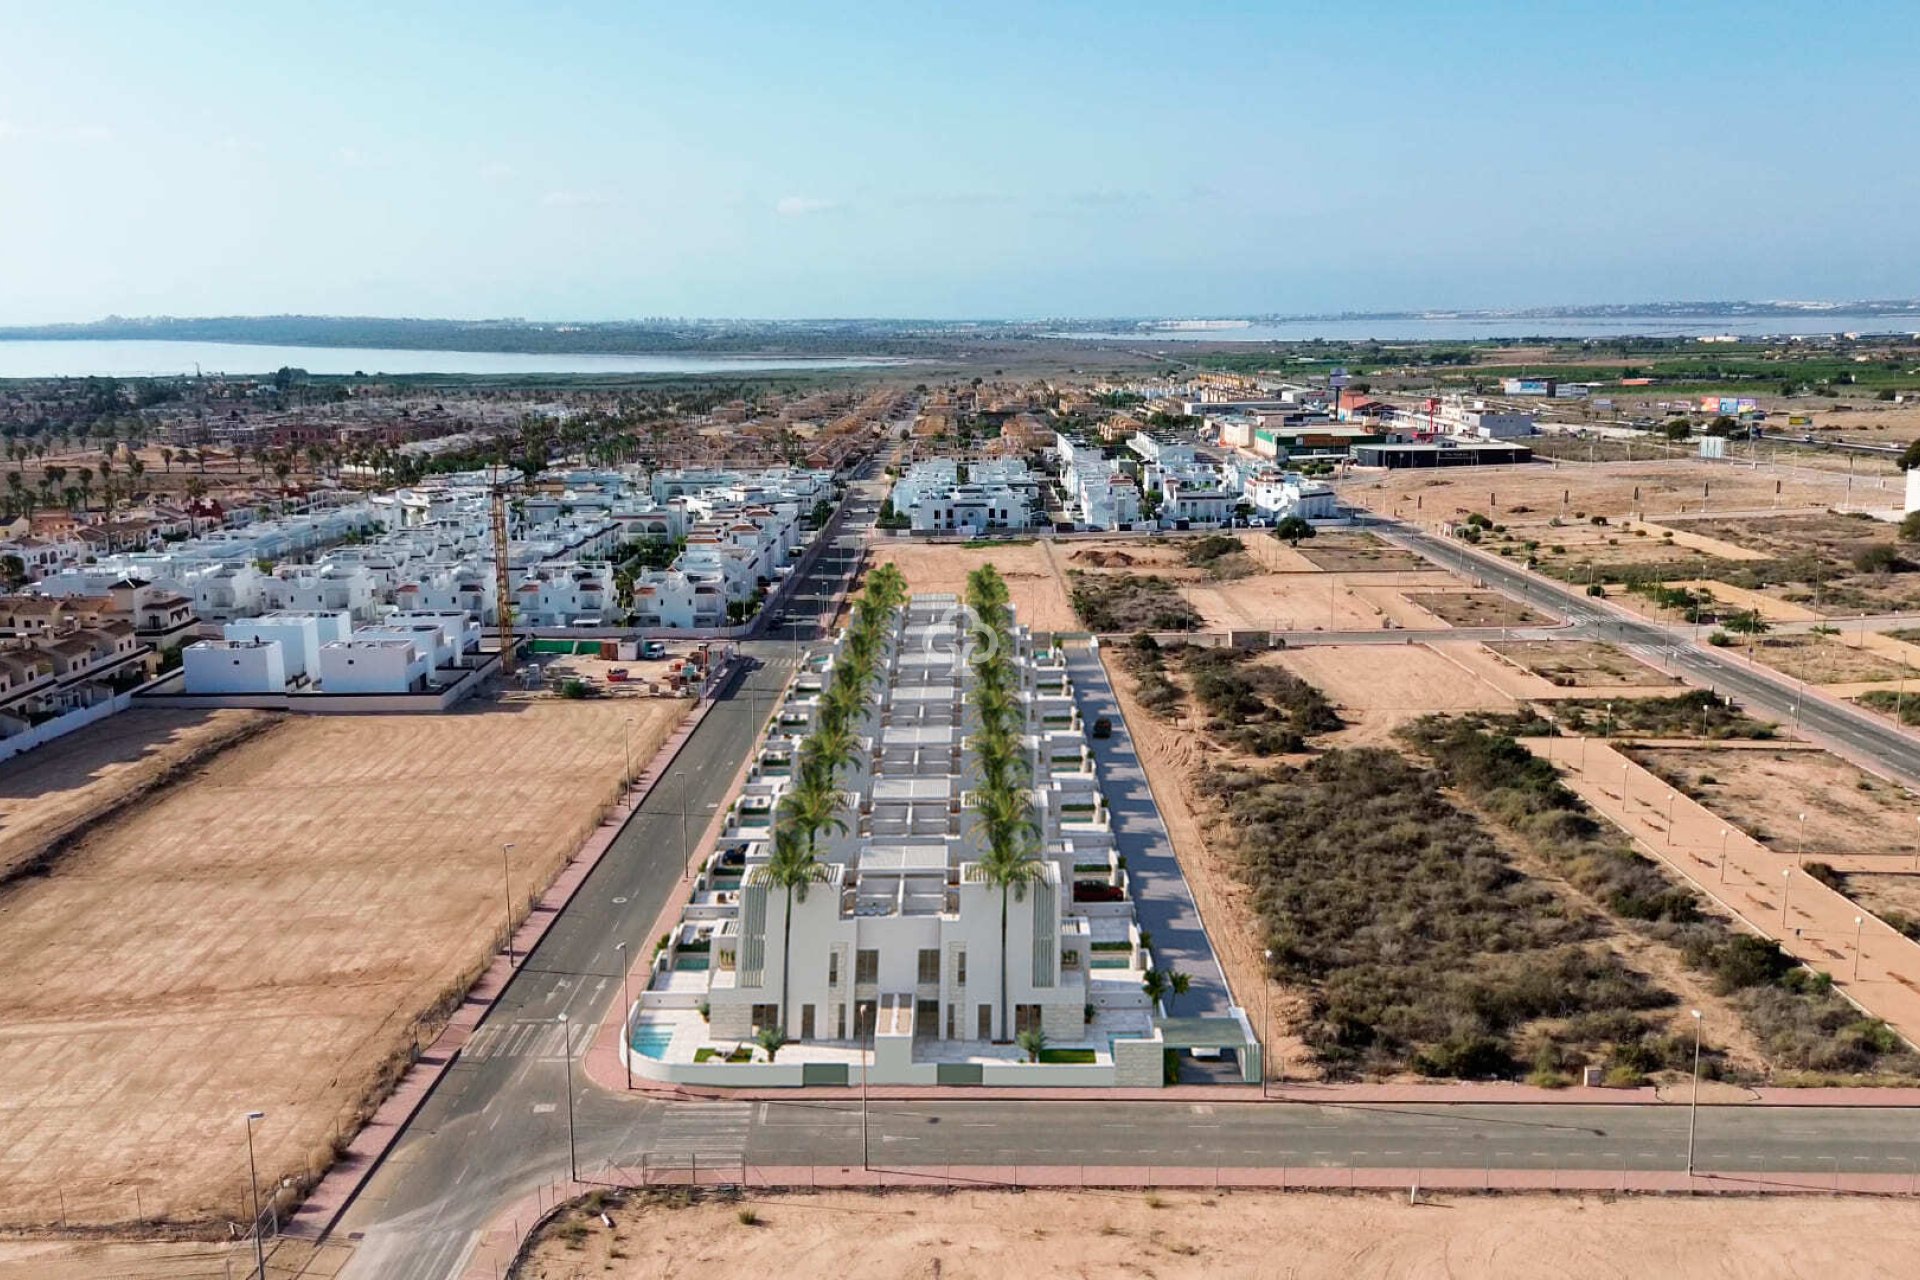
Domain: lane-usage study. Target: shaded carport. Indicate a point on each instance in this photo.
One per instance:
(1186, 1034)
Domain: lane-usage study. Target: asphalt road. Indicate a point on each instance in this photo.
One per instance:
(1866, 738)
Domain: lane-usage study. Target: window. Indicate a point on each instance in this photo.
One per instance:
(766, 1015)
(833, 968)
(866, 967)
(929, 965)
(960, 967)
(1026, 1017)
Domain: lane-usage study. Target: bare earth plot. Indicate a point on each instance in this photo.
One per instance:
(1824, 659)
(1477, 609)
(46, 792)
(1764, 791)
(266, 936)
(1175, 1235)
(1581, 664)
(1038, 592)
(1316, 602)
(1667, 488)
(1357, 552)
(1378, 688)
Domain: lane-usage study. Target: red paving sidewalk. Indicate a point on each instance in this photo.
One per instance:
(317, 1214)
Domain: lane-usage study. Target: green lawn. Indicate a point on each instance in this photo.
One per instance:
(1068, 1057)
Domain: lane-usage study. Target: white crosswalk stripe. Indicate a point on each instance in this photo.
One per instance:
(716, 1129)
(534, 1038)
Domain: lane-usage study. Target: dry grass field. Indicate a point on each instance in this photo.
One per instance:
(1680, 486)
(1378, 688)
(1823, 659)
(268, 936)
(1581, 664)
(1176, 1235)
(50, 791)
(1764, 791)
(1477, 609)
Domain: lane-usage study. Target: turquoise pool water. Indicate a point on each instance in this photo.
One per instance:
(650, 1039)
(1111, 960)
(692, 963)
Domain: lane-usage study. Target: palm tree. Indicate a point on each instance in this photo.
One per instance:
(1154, 984)
(1032, 1042)
(772, 1039)
(166, 458)
(1009, 867)
(792, 869)
(1178, 984)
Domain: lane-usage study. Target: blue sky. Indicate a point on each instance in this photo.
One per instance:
(616, 160)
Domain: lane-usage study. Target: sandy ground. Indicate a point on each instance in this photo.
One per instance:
(851, 1236)
(1870, 962)
(266, 938)
(1477, 609)
(1039, 597)
(1578, 490)
(1764, 792)
(1823, 659)
(1378, 688)
(1582, 664)
(47, 791)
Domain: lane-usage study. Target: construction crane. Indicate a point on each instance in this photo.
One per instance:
(502, 572)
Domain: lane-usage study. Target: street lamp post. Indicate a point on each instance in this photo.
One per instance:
(1724, 833)
(1693, 1106)
(506, 888)
(1667, 835)
(1859, 933)
(566, 1063)
(626, 778)
(1786, 876)
(626, 1013)
(1266, 1020)
(253, 1181)
(1802, 860)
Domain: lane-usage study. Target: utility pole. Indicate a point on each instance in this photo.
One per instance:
(1693, 1106)
(506, 884)
(253, 1181)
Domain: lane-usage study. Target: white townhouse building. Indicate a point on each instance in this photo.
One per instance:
(898, 948)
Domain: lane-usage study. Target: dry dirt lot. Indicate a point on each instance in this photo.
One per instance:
(1581, 664)
(265, 936)
(1039, 596)
(1477, 609)
(1823, 659)
(1175, 1235)
(1763, 791)
(1378, 688)
(1357, 552)
(1666, 488)
(51, 790)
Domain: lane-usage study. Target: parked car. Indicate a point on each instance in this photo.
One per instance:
(1103, 728)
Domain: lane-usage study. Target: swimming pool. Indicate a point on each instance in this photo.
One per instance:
(1112, 960)
(650, 1039)
(692, 961)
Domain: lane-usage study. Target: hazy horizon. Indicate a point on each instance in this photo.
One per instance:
(1006, 162)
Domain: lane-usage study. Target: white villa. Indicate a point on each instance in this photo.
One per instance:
(894, 962)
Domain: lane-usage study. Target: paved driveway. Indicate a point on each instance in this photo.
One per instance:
(1162, 899)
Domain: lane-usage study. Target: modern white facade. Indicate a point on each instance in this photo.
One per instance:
(234, 666)
(899, 945)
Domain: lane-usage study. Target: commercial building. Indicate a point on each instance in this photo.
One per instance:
(1443, 453)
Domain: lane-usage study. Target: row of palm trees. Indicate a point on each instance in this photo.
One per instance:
(812, 804)
(1003, 799)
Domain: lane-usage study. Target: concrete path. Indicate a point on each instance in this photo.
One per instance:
(1756, 884)
(1162, 899)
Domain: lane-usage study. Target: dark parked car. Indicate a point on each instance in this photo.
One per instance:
(1103, 728)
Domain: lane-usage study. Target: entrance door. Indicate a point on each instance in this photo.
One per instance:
(806, 1022)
